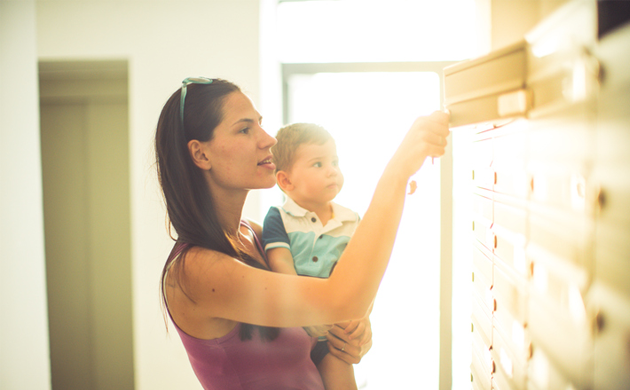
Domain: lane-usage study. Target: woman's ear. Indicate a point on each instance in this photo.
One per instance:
(199, 154)
(284, 182)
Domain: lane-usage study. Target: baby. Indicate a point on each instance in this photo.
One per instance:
(307, 235)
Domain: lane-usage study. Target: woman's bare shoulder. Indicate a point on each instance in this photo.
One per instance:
(199, 258)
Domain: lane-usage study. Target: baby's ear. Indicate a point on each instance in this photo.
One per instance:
(283, 180)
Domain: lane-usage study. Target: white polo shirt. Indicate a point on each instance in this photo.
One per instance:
(315, 248)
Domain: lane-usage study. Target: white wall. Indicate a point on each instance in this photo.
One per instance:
(24, 362)
(164, 42)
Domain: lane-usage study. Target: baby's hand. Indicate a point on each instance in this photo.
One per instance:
(412, 187)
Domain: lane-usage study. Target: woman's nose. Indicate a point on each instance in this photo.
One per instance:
(267, 141)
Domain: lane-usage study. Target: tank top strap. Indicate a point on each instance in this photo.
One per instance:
(261, 250)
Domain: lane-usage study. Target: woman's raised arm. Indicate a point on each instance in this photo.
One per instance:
(218, 286)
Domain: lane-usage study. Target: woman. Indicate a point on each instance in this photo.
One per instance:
(211, 151)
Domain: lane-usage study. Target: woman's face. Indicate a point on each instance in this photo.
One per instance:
(239, 152)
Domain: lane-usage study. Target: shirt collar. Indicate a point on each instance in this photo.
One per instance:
(292, 208)
(341, 213)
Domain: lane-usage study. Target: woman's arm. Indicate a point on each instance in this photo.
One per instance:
(222, 287)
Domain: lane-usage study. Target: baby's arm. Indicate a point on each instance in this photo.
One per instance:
(336, 374)
(281, 261)
(276, 243)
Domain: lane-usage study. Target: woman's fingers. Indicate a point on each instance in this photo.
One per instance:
(440, 117)
(343, 355)
(358, 332)
(367, 334)
(425, 138)
(436, 143)
(351, 328)
(345, 349)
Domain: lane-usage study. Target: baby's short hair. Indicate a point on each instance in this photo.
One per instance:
(291, 137)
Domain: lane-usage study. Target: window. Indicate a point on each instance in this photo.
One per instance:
(368, 114)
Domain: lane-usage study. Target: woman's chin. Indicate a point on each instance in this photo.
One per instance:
(266, 184)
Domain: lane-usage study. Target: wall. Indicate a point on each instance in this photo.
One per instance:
(506, 21)
(24, 362)
(164, 42)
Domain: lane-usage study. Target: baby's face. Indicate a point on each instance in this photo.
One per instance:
(315, 175)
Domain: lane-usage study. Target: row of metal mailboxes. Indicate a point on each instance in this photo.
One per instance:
(551, 266)
(546, 323)
(573, 203)
(540, 160)
(538, 331)
(551, 215)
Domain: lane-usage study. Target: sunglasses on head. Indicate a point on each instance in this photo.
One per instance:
(185, 83)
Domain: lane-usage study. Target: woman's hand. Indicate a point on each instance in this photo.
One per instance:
(350, 341)
(425, 138)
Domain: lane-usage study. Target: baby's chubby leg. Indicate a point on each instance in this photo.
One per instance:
(337, 374)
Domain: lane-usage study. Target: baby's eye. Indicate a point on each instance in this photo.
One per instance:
(335, 163)
(317, 165)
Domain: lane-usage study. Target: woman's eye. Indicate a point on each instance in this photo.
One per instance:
(245, 130)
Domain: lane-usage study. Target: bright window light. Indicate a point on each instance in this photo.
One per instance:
(369, 30)
(368, 114)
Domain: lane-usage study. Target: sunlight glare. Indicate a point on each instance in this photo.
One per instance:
(366, 31)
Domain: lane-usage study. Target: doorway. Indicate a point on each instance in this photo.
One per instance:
(85, 168)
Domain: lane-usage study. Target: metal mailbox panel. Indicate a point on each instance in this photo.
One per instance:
(480, 371)
(482, 277)
(565, 235)
(543, 373)
(611, 359)
(482, 220)
(511, 371)
(481, 346)
(474, 89)
(612, 255)
(509, 160)
(510, 230)
(481, 151)
(611, 181)
(482, 321)
(510, 292)
(557, 318)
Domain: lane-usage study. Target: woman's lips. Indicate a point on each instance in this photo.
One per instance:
(267, 163)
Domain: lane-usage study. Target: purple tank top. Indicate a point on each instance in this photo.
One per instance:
(228, 363)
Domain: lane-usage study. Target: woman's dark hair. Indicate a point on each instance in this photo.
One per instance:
(190, 207)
